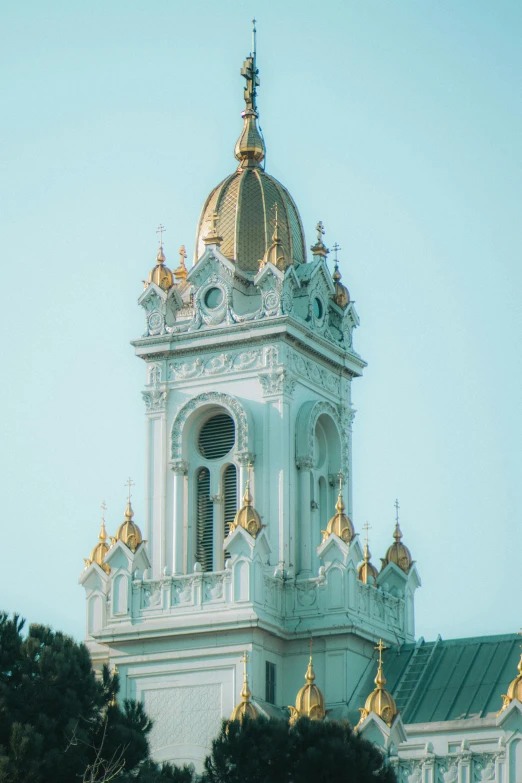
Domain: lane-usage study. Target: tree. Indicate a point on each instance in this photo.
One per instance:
(271, 751)
(59, 722)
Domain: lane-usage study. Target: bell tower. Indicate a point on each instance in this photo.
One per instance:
(248, 541)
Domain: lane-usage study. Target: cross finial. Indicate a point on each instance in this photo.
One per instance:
(341, 478)
(104, 509)
(336, 247)
(254, 31)
(366, 527)
(397, 507)
(380, 647)
(245, 659)
(129, 483)
(213, 221)
(161, 230)
(310, 645)
(320, 231)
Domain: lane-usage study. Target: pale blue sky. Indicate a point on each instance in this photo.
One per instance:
(396, 122)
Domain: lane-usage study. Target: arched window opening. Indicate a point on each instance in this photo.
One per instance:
(217, 436)
(324, 515)
(205, 521)
(229, 499)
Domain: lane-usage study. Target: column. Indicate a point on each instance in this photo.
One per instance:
(304, 516)
(179, 469)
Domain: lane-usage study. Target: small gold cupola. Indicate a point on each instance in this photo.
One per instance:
(310, 700)
(161, 274)
(398, 552)
(128, 532)
(367, 572)
(515, 689)
(341, 296)
(247, 517)
(180, 273)
(100, 550)
(340, 523)
(245, 708)
(275, 253)
(380, 701)
(319, 249)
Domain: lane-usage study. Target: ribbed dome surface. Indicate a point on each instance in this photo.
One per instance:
(244, 203)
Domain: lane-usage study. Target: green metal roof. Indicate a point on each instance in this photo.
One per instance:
(445, 679)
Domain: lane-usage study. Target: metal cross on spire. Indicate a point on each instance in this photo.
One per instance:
(104, 509)
(380, 647)
(213, 221)
(320, 231)
(397, 507)
(161, 230)
(129, 483)
(310, 645)
(336, 247)
(251, 74)
(366, 527)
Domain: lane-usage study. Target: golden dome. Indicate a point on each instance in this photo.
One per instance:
(380, 701)
(514, 690)
(247, 517)
(398, 553)
(245, 708)
(161, 274)
(100, 550)
(340, 523)
(367, 572)
(243, 202)
(129, 532)
(310, 700)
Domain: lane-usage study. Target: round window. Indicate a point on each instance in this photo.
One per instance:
(318, 308)
(213, 298)
(217, 436)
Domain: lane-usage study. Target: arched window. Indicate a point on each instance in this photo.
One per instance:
(229, 493)
(204, 521)
(213, 445)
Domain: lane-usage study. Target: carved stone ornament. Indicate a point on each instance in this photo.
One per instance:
(244, 428)
(276, 382)
(155, 400)
(217, 364)
(179, 466)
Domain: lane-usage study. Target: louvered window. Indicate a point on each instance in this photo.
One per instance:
(229, 498)
(270, 682)
(217, 436)
(205, 521)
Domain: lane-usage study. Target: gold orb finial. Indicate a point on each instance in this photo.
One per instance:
(128, 532)
(245, 708)
(309, 702)
(247, 517)
(100, 550)
(515, 687)
(380, 701)
(367, 572)
(160, 274)
(181, 272)
(340, 523)
(398, 552)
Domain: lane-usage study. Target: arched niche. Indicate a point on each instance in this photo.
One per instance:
(95, 614)
(319, 437)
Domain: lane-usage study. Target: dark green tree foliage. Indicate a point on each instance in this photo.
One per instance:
(271, 751)
(58, 722)
(155, 773)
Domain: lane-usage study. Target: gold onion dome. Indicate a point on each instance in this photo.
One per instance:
(367, 572)
(341, 295)
(242, 203)
(340, 523)
(380, 701)
(515, 689)
(129, 532)
(310, 700)
(247, 517)
(398, 552)
(161, 274)
(100, 550)
(245, 708)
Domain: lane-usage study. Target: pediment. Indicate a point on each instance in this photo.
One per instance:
(213, 263)
(511, 717)
(94, 578)
(239, 543)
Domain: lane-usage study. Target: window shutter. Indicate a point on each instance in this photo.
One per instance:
(205, 520)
